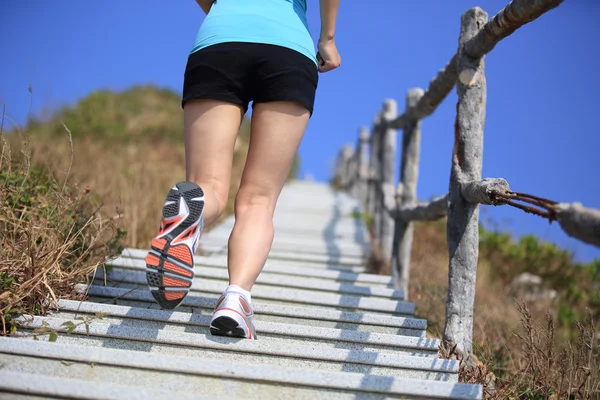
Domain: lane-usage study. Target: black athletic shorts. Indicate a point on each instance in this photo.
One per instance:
(242, 72)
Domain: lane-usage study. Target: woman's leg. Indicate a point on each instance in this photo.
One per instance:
(277, 130)
(211, 128)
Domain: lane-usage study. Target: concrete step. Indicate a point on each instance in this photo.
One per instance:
(21, 385)
(314, 229)
(315, 246)
(300, 258)
(291, 333)
(307, 265)
(52, 362)
(270, 352)
(272, 268)
(126, 278)
(266, 279)
(324, 253)
(321, 317)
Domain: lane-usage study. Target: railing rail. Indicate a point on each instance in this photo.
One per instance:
(392, 211)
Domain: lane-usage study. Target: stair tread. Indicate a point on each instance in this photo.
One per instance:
(343, 381)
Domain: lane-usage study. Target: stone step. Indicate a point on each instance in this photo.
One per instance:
(320, 317)
(266, 279)
(316, 229)
(306, 246)
(291, 333)
(284, 269)
(270, 352)
(300, 258)
(21, 385)
(307, 265)
(51, 363)
(120, 277)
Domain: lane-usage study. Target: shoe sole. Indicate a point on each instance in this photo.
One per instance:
(170, 267)
(229, 322)
(225, 326)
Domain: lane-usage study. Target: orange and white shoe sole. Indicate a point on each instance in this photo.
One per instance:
(170, 262)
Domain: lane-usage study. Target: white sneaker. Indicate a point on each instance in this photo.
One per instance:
(233, 317)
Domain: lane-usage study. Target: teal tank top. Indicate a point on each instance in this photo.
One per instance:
(277, 22)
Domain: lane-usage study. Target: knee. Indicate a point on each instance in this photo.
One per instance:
(250, 198)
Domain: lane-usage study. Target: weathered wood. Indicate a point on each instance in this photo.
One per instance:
(409, 174)
(483, 191)
(363, 164)
(390, 112)
(431, 211)
(516, 14)
(579, 222)
(463, 217)
(345, 157)
(374, 172)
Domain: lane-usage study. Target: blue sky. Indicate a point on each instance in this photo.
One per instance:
(541, 128)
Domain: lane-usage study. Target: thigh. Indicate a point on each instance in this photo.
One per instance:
(211, 128)
(277, 131)
(283, 74)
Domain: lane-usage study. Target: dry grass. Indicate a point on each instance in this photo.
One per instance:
(53, 236)
(132, 177)
(518, 352)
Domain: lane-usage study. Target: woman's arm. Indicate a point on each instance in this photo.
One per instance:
(327, 55)
(205, 5)
(329, 10)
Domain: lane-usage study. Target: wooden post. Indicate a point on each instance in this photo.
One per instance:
(409, 174)
(352, 172)
(363, 166)
(463, 217)
(346, 158)
(388, 161)
(374, 173)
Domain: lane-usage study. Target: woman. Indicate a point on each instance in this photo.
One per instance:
(260, 51)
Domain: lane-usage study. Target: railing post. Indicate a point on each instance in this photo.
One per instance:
(363, 166)
(374, 178)
(388, 161)
(409, 174)
(346, 173)
(463, 217)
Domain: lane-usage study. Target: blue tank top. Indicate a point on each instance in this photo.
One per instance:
(277, 22)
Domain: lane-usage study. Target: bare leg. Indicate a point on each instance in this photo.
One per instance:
(277, 130)
(211, 128)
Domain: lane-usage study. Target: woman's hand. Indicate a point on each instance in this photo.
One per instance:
(328, 57)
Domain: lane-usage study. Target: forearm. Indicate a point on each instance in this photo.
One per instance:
(205, 5)
(329, 10)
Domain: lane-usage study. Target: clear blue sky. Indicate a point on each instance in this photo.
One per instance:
(541, 130)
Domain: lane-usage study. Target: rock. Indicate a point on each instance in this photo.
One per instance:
(529, 287)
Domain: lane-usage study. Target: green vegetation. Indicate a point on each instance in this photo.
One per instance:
(577, 284)
(140, 113)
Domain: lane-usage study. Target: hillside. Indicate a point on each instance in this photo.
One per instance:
(127, 147)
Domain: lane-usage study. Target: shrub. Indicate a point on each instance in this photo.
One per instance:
(52, 236)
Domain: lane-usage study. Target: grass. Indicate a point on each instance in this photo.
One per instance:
(532, 350)
(52, 234)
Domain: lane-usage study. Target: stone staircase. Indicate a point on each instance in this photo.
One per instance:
(326, 329)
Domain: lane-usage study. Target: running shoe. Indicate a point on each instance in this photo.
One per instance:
(233, 317)
(170, 262)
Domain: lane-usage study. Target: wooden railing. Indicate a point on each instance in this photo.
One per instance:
(367, 171)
